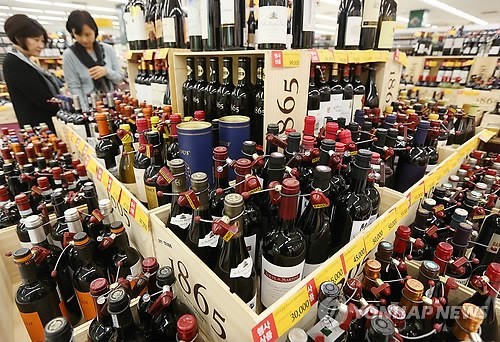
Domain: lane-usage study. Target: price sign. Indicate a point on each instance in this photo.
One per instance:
(417, 193)
(291, 59)
(403, 59)
(148, 55)
(99, 173)
(332, 270)
(105, 178)
(125, 201)
(401, 209)
(357, 56)
(314, 56)
(430, 181)
(325, 56)
(354, 254)
(142, 218)
(291, 311)
(161, 53)
(265, 330)
(91, 166)
(340, 56)
(116, 190)
(487, 134)
(390, 222)
(81, 145)
(374, 235)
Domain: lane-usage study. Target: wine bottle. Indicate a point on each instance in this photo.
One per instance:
(235, 265)
(121, 314)
(173, 24)
(353, 24)
(243, 97)
(152, 8)
(273, 15)
(24, 208)
(371, 98)
(258, 122)
(465, 325)
(324, 96)
(210, 13)
(284, 251)
(348, 96)
(36, 300)
(180, 216)
(126, 169)
(488, 243)
(304, 13)
(232, 16)
(153, 173)
(374, 287)
(386, 24)
(126, 259)
(199, 87)
(194, 24)
(58, 330)
(461, 268)
(273, 172)
(251, 26)
(101, 328)
(188, 88)
(226, 88)
(392, 269)
(314, 223)
(211, 89)
(141, 161)
(106, 148)
(371, 15)
(313, 100)
(358, 91)
(374, 196)
(336, 93)
(200, 238)
(354, 206)
(135, 24)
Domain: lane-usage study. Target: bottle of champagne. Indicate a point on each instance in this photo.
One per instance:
(258, 122)
(386, 24)
(243, 97)
(315, 221)
(211, 90)
(304, 13)
(194, 25)
(284, 250)
(273, 16)
(226, 88)
(232, 16)
(200, 238)
(173, 24)
(180, 216)
(199, 87)
(353, 24)
(121, 314)
(235, 265)
(188, 88)
(101, 328)
(371, 15)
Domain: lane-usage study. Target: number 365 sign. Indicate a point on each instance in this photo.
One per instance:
(286, 87)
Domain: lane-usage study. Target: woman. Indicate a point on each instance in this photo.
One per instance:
(89, 66)
(30, 87)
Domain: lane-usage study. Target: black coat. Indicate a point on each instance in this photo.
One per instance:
(29, 93)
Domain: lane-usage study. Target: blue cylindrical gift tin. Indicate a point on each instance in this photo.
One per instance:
(195, 146)
(233, 131)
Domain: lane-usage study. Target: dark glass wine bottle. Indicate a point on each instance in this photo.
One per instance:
(324, 96)
(304, 13)
(153, 173)
(232, 16)
(313, 100)
(101, 328)
(226, 88)
(371, 11)
(220, 156)
(194, 25)
(180, 216)
(358, 91)
(460, 268)
(173, 25)
(273, 16)
(210, 91)
(199, 87)
(374, 196)
(211, 24)
(58, 330)
(336, 93)
(347, 98)
(106, 149)
(284, 250)
(487, 251)
(141, 161)
(243, 97)
(126, 259)
(151, 9)
(135, 24)
(121, 314)
(371, 97)
(386, 24)
(188, 88)
(258, 117)
(353, 23)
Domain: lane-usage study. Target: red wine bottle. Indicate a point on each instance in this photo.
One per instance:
(101, 328)
(121, 314)
(371, 11)
(374, 196)
(336, 93)
(173, 25)
(180, 216)
(243, 97)
(194, 25)
(232, 21)
(126, 259)
(284, 251)
(386, 24)
(235, 265)
(314, 100)
(353, 23)
(371, 98)
(304, 13)
(199, 87)
(487, 249)
(358, 91)
(460, 269)
(258, 117)
(210, 91)
(188, 88)
(348, 96)
(273, 15)
(324, 96)
(392, 269)
(226, 88)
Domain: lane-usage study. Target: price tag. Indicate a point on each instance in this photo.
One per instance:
(130, 54)
(417, 193)
(133, 207)
(142, 218)
(99, 173)
(401, 209)
(291, 59)
(85, 150)
(125, 201)
(332, 270)
(110, 182)
(161, 54)
(430, 181)
(91, 166)
(487, 134)
(470, 92)
(148, 55)
(403, 59)
(291, 311)
(356, 56)
(354, 254)
(81, 145)
(116, 191)
(325, 56)
(277, 59)
(340, 56)
(105, 178)
(265, 330)
(468, 63)
(375, 234)
(314, 56)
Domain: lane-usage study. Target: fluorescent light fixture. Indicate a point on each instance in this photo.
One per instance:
(101, 9)
(106, 16)
(46, 17)
(5, 7)
(56, 12)
(36, 2)
(68, 5)
(402, 19)
(24, 9)
(41, 22)
(455, 11)
(3, 14)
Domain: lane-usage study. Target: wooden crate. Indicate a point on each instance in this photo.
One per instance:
(225, 317)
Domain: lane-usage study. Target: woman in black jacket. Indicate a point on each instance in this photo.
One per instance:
(30, 87)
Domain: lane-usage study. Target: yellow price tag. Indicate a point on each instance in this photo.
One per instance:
(487, 134)
(81, 145)
(92, 167)
(356, 56)
(354, 254)
(469, 62)
(417, 193)
(148, 55)
(291, 59)
(375, 234)
(390, 222)
(401, 209)
(403, 59)
(116, 190)
(330, 271)
(141, 217)
(430, 181)
(130, 54)
(125, 201)
(105, 178)
(287, 314)
(325, 56)
(162, 54)
(340, 56)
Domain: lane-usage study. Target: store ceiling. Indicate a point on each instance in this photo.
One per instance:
(52, 14)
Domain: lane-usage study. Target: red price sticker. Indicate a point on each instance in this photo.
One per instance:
(99, 173)
(132, 208)
(265, 330)
(314, 56)
(277, 59)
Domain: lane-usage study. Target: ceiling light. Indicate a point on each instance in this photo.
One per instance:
(402, 19)
(455, 11)
(5, 7)
(102, 9)
(55, 12)
(105, 16)
(46, 17)
(41, 22)
(69, 5)
(36, 2)
(24, 9)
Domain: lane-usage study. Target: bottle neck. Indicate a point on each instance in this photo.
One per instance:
(156, 155)
(288, 210)
(358, 183)
(74, 226)
(124, 323)
(92, 204)
(179, 184)
(28, 272)
(102, 313)
(242, 74)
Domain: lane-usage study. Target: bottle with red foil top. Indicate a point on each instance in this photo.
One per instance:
(146, 283)
(8, 213)
(461, 268)
(141, 161)
(187, 329)
(309, 125)
(57, 177)
(338, 184)
(101, 328)
(83, 178)
(24, 208)
(284, 250)
(309, 158)
(220, 155)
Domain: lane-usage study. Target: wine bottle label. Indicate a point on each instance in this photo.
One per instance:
(139, 181)
(227, 12)
(150, 30)
(241, 74)
(193, 18)
(151, 196)
(346, 110)
(252, 304)
(421, 48)
(316, 114)
(464, 75)
(168, 29)
(458, 43)
(87, 304)
(277, 280)
(494, 50)
(462, 281)
(309, 15)
(127, 18)
(182, 220)
(243, 270)
(159, 28)
(272, 24)
(358, 227)
(137, 23)
(448, 43)
(250, 243)
(448, 73)
(440, 75)
(210, 240)
(371, 10)
(352, 31)
(372, 218)
(33, 325)
(309, 268)
(335, 105)
(204, 18)
(136, 269)
(456, 73)
(327, 327)
(467, 50)
(324, 111)
(494, 244)
(430, 167)
(357, 103)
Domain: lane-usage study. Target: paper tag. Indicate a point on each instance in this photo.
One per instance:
(166, 174)
(98, 215)
(182, 220)
(402, 209)
(290, 312)
(374, 235)
(210, 240)
(325, 56)
(354, 254)
(148, 55)
(161, 54)
(116, 190)
(243, 270)
(105, 179)
(142, 218)
(125, 201)
(340, 56)
(332, 270)
(417, 193)
(291, 59)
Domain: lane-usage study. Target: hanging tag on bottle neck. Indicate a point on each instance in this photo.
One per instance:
(97, 216)
(252, 184)
(188, 199)
(319, 200)
(166, 174)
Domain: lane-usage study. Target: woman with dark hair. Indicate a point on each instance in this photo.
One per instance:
(89, 66)
(30, 87)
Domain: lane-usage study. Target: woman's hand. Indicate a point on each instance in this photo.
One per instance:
(98, 72)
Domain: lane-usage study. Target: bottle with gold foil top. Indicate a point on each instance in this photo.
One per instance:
(465, 327)
(411, 300)
(106, 148)
(36, 300)
(180, 216)
(235, 265)
(88, 271)
(374, 288)
(126, 169)
(141, 161)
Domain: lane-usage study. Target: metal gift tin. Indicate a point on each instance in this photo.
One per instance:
(233, 131)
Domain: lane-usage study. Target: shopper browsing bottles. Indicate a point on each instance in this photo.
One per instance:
(30, 87)
(89, 66)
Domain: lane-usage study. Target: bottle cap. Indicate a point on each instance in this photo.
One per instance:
(277, 161)
(105, 206)
(363, 158)
(118, 301)
(22, 255)
(199, 115)
(429, 204)
(381, 326)
(81, 239)
(150, 264)
(469, 321)
(117, 227)
(21, 200)
(81, 170)
(177, 166)
(249, 148)
(69, 176)
(175, 118)
(142, 124)
(297, 335)
(462, 234)
(493, 272)
(58, 330)
(384, 251)
(372, 268)
(397, 315)
(345, 136)
(274, 128)
(293, 142)
(328, 145)
(444, 251)
(321, 177)
(308, 142)
(421, 217)
(309, 122)
(290, 186)
(98, 287)
(187, 327)
(199, 180)
(331, 130)
(328, 289)
(165, 276)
